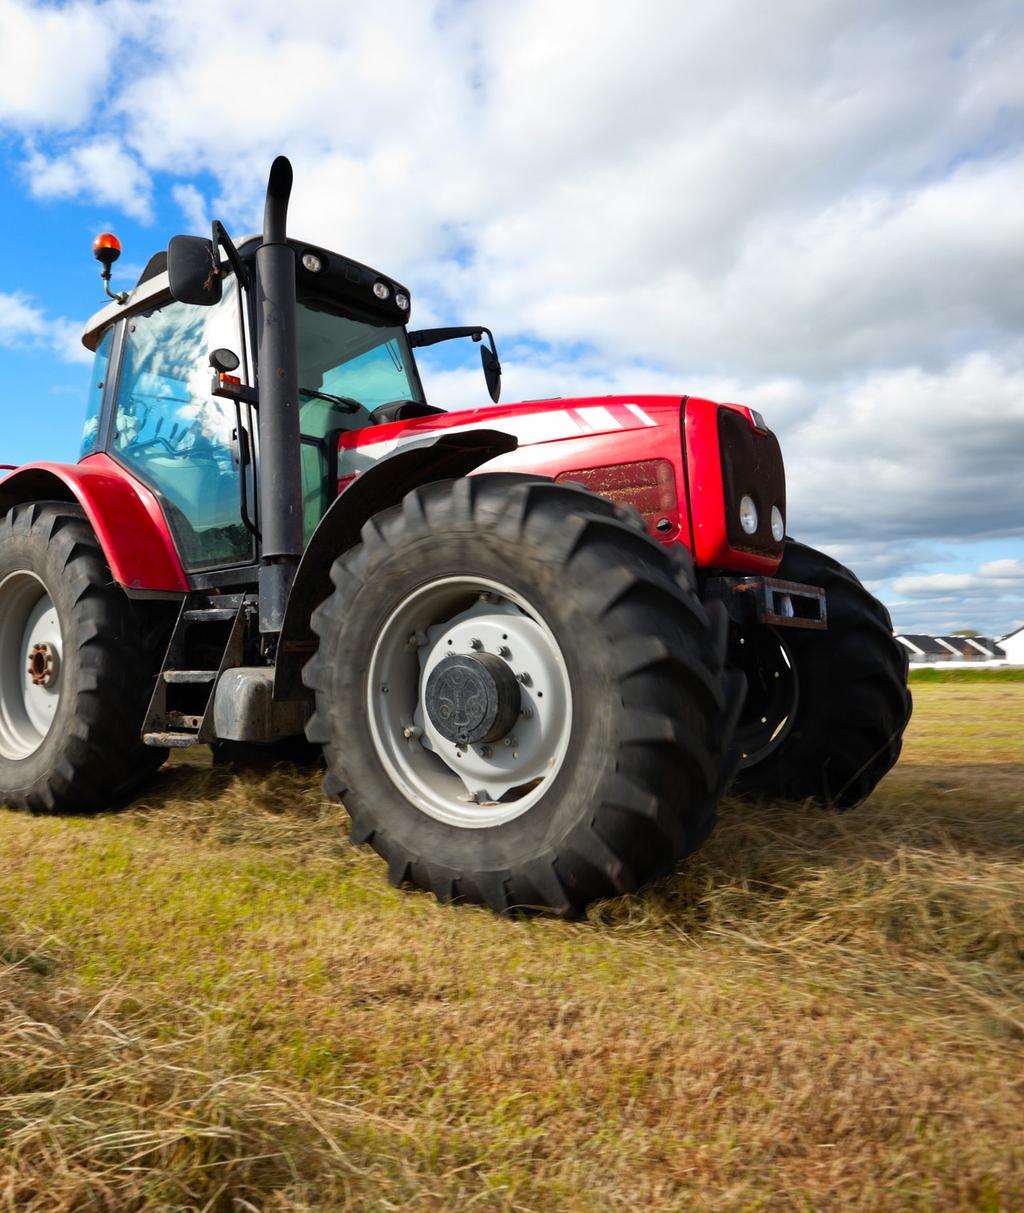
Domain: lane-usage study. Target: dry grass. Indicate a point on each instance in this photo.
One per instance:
(214, 1002)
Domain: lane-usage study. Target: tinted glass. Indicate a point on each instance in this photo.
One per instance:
(365, 364)
(176, 436)
(90, 432)
(347, 357)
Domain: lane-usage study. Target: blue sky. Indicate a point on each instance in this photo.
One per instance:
(811, 209)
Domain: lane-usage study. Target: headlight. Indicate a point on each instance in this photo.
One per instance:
(748, 515)
(402, 300)
(778, 524)
(381, 290)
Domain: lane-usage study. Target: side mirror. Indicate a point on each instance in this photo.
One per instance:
(492, 371)
(193, 270)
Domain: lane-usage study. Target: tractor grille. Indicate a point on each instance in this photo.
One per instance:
(752, 467)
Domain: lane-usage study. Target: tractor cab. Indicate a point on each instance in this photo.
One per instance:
(172, 403)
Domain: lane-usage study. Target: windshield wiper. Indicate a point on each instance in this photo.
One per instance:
(345, 402)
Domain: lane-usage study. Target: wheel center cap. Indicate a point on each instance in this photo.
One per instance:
(42, 665)
(472, 697)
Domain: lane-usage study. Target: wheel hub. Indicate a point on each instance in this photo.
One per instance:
(472, 697)
(42, 665)
(30, 664)
(469, 701)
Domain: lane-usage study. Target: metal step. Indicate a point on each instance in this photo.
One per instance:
(179, 709)
(170, 741)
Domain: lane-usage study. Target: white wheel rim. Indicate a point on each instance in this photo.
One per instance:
(31, 669)
(470, 786)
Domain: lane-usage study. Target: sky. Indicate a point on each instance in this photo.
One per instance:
(813, 208)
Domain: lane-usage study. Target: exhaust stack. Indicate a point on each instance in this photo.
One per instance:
(278, 384)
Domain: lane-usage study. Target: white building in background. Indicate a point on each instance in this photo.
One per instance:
(959, 650)
(1013, 647)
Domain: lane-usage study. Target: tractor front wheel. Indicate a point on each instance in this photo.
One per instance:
(825, 710)
(76, 669)
(519, 695)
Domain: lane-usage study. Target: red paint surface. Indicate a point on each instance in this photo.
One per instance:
(125, 515)
(703, 459)
(698, 517)
(558, 438)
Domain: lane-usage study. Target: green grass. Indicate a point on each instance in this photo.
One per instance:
(968, 674)
(214, 1002)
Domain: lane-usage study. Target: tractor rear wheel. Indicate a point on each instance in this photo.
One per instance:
(519, 695)
(76, 669)
(826, 710)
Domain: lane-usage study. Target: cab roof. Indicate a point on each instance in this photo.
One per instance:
(341, 277)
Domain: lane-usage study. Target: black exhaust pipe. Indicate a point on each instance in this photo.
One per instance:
(278, 383)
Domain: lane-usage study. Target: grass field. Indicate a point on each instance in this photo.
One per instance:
(213, 1002)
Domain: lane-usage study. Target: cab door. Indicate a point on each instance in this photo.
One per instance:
(174, 435)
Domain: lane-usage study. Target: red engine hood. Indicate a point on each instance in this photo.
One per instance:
(531, 421)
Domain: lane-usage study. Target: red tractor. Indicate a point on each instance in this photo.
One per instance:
(536, 642)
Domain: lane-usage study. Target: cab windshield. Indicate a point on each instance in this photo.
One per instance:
(347, 368)
(367, 364)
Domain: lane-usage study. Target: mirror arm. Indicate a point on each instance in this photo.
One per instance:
(221, 237)
(421, 337)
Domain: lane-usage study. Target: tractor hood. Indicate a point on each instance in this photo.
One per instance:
(572, 423)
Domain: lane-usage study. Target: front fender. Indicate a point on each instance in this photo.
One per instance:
(438, 457)
(123, 513)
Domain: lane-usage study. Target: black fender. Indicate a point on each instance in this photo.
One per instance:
(437, 457)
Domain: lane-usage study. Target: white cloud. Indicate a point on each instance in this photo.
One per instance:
(809, 208)
(65, 338)
(913, 454)
(20, 320)
(935, 583)
(53, 62)
(986, 599)
(99, 170)
(1003, 570)
(193, 206)
(23, 324)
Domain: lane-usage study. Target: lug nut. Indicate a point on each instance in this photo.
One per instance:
(476, 644)
(485, 751)
(525, 679)
(504, 651)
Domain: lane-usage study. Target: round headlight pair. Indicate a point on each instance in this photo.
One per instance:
(749, 518)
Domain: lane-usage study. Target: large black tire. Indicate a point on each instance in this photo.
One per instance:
(637, 787)
(851, 699)
(92, 756)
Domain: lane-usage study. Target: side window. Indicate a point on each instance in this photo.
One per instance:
(100, 365)
(178, 438)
